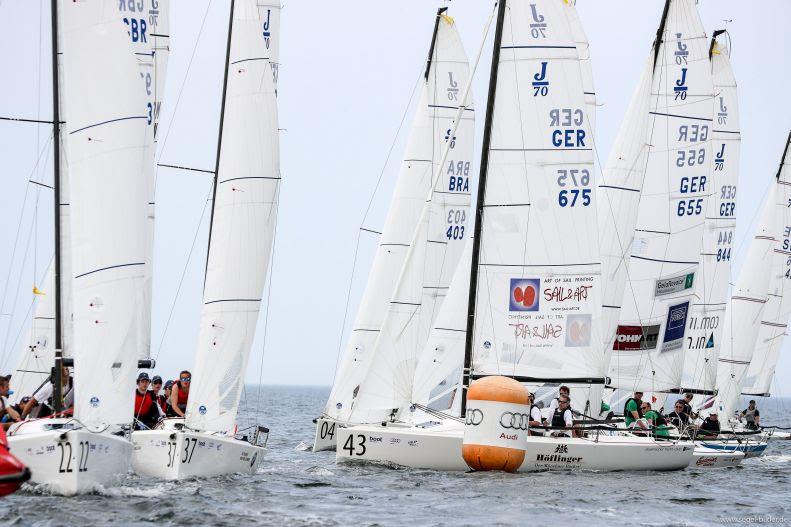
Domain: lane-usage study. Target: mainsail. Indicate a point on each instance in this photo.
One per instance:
(243, 224)
(411, 308)
(706, 315)
(665, 251)
(108, 199)
(535, 286)
(772, 331)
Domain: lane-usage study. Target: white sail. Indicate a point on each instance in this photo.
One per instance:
(772, 332)
(436, 245)
(147, 24)
(242, 230)
(107, 153)
(438, 373)
(707, 313)
(38, 355)
(443, 85)
(665, 251)
(538, 301)
(745, 310)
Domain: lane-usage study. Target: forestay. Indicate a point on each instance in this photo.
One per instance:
(537, 311)
(242, 230)
(147, 24)
(665, 251)
(771, 334)
(707, 312)
(108, 198)
(412, 308)
(745, 312)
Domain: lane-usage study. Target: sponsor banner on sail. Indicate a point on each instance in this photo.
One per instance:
(552, 311)
(676, 284)
(636, 338)
(675, 326)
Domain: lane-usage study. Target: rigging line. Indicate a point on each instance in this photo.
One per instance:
(364, 218)
(184, 272)
(181, 88)
(266, 316)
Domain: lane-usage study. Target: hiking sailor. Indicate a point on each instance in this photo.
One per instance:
(562, 418)
(179, 394)
(710, 427)
(633, 412)
(752, 416)
(40, 403)
(654, 420)
(678, 417)
(536, 419)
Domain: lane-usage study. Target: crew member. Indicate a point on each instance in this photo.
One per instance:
(41, 400)
(654, 420)
(710, 427)
(752, 416)
(164, 400)
(563, 390)
(678, 417)
(562, 417)
(146, 408)
(8, 414)
(180, 393)
(633, 413)
(536, 419)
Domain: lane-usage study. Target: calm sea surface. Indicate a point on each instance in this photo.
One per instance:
(298, 487)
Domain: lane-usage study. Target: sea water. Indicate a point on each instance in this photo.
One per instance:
(298, 487)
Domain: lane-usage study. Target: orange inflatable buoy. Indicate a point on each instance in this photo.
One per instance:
(495, 431)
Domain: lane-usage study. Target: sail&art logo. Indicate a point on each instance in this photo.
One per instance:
(524, 294)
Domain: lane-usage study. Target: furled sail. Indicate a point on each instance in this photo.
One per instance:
(439, 245)
(772, 331)
(108, 200)
(536, 279)
(242, 230)
(665, 252)
(707, 312)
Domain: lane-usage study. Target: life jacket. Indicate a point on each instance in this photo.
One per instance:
(145, 407)
(532, 406)
(182, 396)
(627, 413)
(163, 403)
(750, 415)
(558, 419)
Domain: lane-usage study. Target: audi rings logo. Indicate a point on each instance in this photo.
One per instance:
(474, 417)
(516, 421)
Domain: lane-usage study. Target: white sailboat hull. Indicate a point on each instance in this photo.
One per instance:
(178, 454)
(70, 461)
(439, 448)
(326, 434)
(711, 458)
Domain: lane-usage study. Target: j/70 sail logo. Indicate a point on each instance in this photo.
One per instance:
(267, 24)
(524, 294)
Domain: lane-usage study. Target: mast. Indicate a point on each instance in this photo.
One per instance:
(440, 12)
(661, 32)
(783, 159)
(476, 240)
(219, 133)
(57, 374)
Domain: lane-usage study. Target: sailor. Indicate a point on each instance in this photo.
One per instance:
(146, 408)
(654, 420)
(180, 393)
(563, 390)
(40, 403)
(687, 402)
(536, 419)
(710, 427)
(156, 385)
(752, 416)
(678, 417)
(633, 413)
(164, 400)
(562, 417)
(8, 414)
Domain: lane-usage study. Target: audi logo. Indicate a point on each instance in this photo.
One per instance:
(474, 417)
(516, 421)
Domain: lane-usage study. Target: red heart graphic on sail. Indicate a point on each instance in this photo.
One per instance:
(526, 296)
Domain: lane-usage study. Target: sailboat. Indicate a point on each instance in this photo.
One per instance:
(534, 310)
(108, 202)
(244, 212)
(418, 251)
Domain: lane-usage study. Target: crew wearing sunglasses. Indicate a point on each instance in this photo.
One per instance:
(179, 394)
(679, 416)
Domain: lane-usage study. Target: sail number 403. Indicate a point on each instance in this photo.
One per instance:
(355, 448)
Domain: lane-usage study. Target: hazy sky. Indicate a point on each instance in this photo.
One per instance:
(348, 73)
